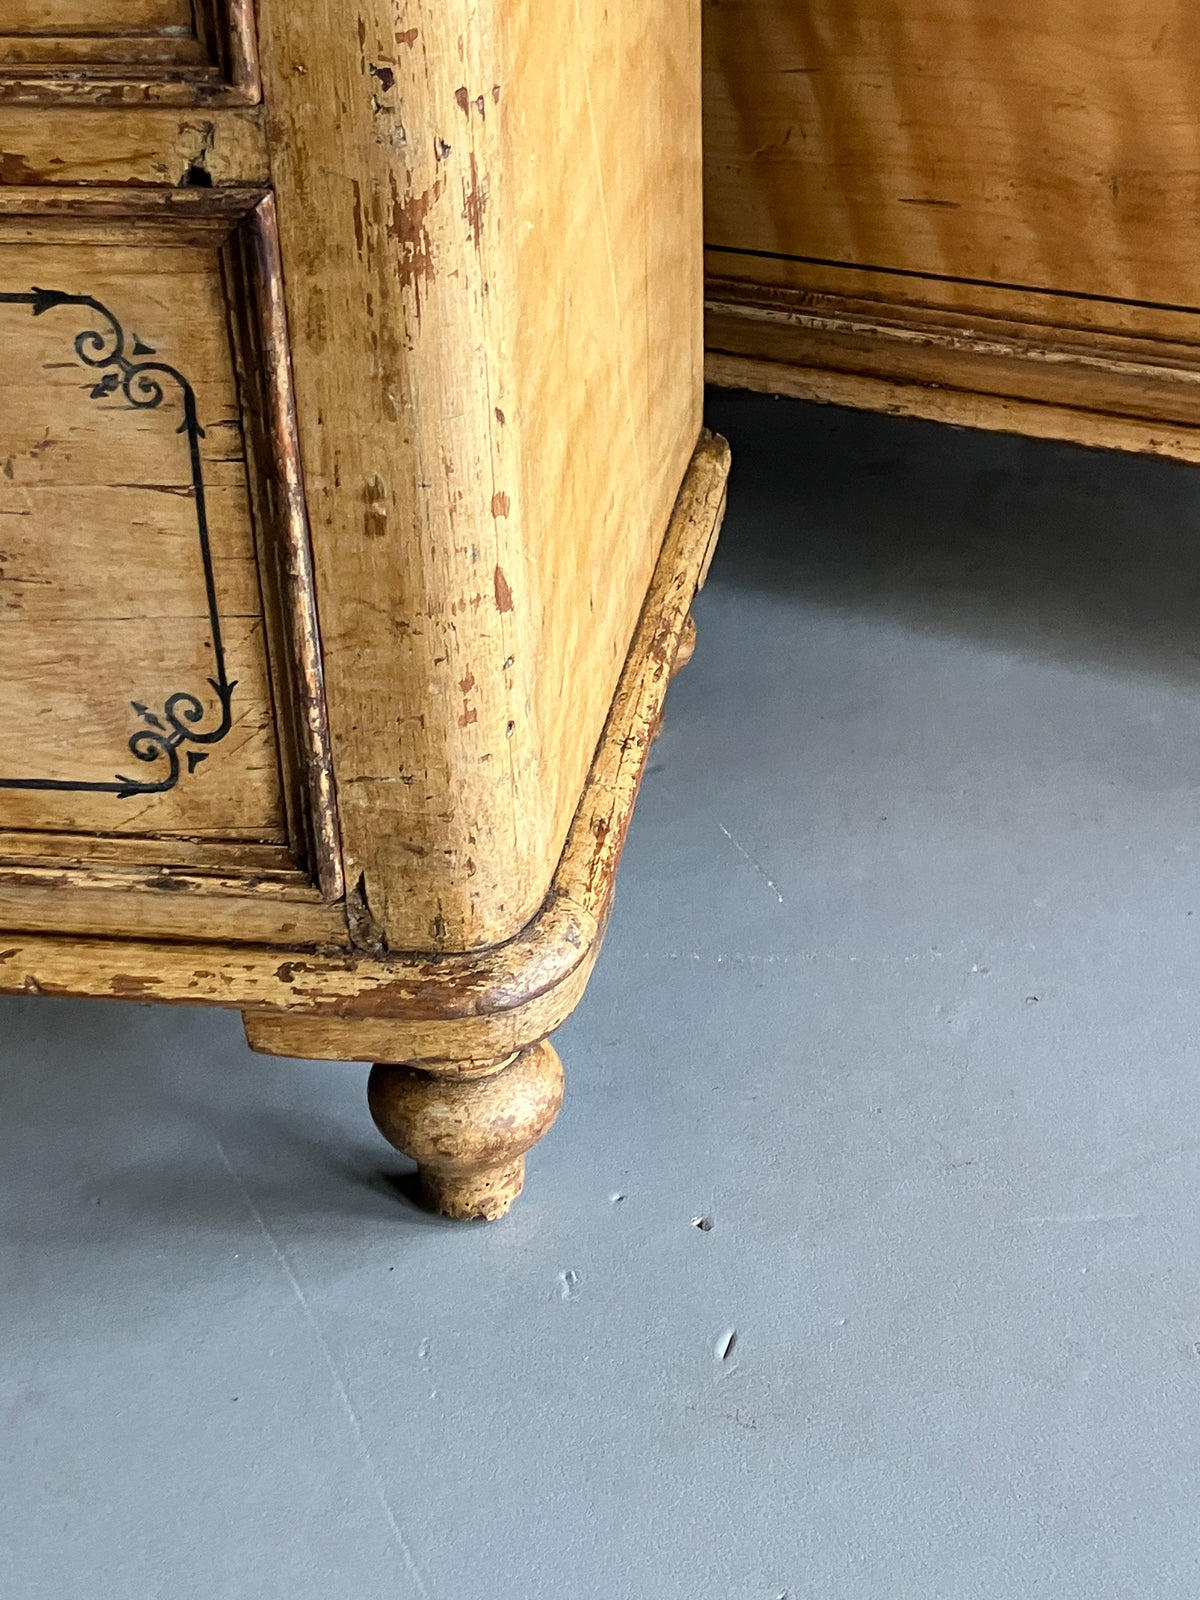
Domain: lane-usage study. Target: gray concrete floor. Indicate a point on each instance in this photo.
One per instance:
(900, 997)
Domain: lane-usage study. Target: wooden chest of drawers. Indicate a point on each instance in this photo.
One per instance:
(352, 498)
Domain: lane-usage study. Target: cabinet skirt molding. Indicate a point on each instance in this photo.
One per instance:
(1129, 381)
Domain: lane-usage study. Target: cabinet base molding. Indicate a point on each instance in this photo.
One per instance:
(1113, 376)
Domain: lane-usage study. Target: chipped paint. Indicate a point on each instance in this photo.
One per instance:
(356, 188)
(15, 169)
(407, 227)
(375, 512)
(475, 199)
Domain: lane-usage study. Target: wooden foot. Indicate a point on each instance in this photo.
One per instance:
(684, 651)
(467, 1125)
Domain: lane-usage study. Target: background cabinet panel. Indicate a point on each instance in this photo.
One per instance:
(1052, 144)
(981, 211)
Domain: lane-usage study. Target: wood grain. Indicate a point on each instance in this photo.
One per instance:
(138, 148)
(469, 1136)
(535, 981)
(87, 18)
(471, 367)
(103, 589)
(957, 407)
(254, 289)
(1121, 390)
(96, 55)
(481, 276)
(173, 902)
(977, 212)
(200, 861)
(1042, 143)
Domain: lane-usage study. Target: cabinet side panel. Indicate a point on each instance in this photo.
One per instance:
(608, 358)
(491, 265)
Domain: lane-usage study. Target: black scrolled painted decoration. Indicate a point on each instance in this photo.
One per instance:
(162, 734)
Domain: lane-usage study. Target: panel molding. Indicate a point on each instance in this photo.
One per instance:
(123, 55)
(146, 147)
(263, 352)
(239, 226)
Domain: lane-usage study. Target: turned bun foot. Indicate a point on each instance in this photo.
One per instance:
(684, 651)
(468, 1125)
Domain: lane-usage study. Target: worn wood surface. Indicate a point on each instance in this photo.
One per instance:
(167, 903)
(115, 19)
(1043, 143)
(459, 1007)
(484, 386)
(120, 53)
(496, 338)
(103, 517)
(137, 149)
(1074, 379)
(957, 407)
(103, 576)
(255, 290)
(422, 1008)
(981, 212)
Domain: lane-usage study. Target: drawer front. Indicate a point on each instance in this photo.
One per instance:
(130, 20)
(125, 52)
(159, 685)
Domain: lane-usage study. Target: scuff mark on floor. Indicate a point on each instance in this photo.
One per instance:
(746, 856)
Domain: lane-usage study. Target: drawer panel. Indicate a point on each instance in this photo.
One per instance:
(124, 511)
(126, 51)
(150, 676)
(113, 17)
(97, 17)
